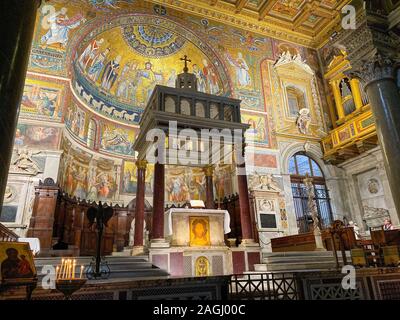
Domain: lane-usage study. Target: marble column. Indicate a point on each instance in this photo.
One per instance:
(373, 52)
(158, 204)
(139, 214)
(244, 203)
(208, 171)
(384, 98)
(17, 22)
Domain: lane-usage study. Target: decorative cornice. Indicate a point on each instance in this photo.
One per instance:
(221, 14)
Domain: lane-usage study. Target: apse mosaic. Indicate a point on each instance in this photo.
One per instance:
(125, 62)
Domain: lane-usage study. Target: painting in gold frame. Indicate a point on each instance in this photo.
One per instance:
(199, 231)
(16, 263)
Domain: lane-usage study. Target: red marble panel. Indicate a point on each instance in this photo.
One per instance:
(238, 261)
(265, 160)
(176, 263)
(160, 261)
(252, 259)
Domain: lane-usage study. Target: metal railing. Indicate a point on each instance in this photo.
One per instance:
(6, 234)
(264, 286)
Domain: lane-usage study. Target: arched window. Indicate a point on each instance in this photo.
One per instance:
(92, 132)
(299, 166)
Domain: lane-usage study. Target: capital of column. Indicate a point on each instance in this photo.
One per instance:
(141, 164)
(208, 171)
(370, 49)
(376, 68)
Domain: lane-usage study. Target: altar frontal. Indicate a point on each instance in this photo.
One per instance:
(196, 242)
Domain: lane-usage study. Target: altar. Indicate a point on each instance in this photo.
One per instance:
(194, 243)
(196, 227)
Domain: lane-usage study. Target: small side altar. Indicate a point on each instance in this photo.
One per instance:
(195, 241)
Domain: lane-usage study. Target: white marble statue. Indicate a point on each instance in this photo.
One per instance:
(24, 163)
(304, 120)
(132, 233)
(356, 229)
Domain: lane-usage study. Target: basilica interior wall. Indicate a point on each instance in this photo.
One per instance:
(91, 72)
(369, 199)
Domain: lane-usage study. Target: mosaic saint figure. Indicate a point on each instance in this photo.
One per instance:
(90, 53)
(211, 77)
(60, 25)
(110, 74)
(46, 105)
(146, 82)
(242, 69)
(95, 70)
(172, 79)
(201, 79)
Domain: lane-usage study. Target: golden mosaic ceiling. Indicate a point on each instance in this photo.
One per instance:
(307, 22)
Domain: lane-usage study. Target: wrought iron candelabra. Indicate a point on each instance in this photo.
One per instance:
(99, 216)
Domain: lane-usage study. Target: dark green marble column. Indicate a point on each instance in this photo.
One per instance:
(17, 22)
(384, 97)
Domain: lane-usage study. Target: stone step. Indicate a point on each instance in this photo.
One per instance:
(87, 260)
(282, 259)
(296, 266)
(299, 261)
(120, 267)
(302, 253)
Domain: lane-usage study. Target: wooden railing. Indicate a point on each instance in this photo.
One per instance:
(6, 234)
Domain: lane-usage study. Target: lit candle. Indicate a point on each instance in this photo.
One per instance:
(57, 270)
(67, 269)
(62, 268)
(80, 277)
(73, 269)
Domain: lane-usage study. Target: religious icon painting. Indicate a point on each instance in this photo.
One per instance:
(202, 267)
(199, 231)
(16, 263)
